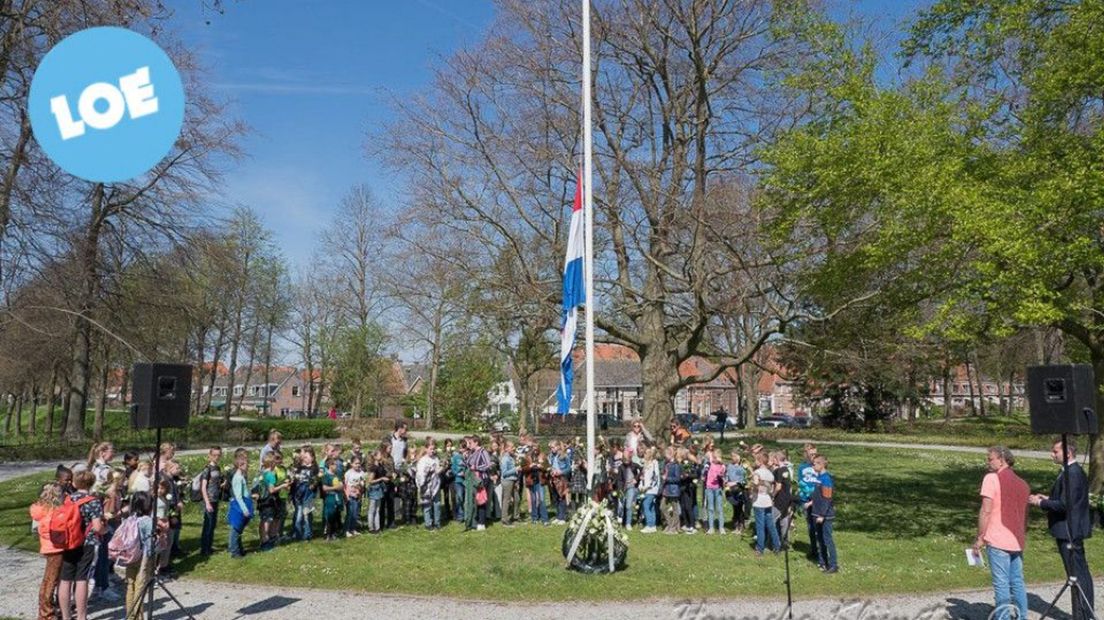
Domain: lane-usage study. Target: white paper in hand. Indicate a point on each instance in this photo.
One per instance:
(973, 558)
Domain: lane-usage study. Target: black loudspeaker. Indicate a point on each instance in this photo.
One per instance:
(1062, 399)
(161, 395)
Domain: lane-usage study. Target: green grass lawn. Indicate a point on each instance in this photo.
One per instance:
(904, 519)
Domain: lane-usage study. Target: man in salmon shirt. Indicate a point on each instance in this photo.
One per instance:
(1002, 525)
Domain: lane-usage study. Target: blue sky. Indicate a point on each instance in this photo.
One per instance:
(313, 79)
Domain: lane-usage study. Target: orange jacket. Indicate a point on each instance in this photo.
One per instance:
(41, 513)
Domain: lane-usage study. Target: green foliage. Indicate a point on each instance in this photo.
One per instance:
(362, 371)
(468, 372)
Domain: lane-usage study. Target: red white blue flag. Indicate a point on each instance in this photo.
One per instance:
(574, 295)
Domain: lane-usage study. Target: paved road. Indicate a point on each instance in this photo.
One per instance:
(1030, 454)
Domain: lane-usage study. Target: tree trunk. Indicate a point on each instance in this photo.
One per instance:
(249, 368)
(234, 344)
(51, 401)
(431, 387)
(659, 373)
(948, 406)
(980, 386)
(215, 358)
(19, 414)
(268, 369)
(64, 403)
(82, 350)
(9, 401)
(201, 347)
(741, 405)
(101, 402)
(1011, 403)
(32, 428)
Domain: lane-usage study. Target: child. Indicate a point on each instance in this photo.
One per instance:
(354, 484)
(534, 477)
(688, 489)
(162, 515)
(265, 490)
(241, 504)
(714, 493)
(304, 490)
(428, 480)
(650, 484)
(377, 490)
(735, 484)
(140, 479)
(139, 573)
(672, 489)
(332, 490)
(48, 501)
(824, 512)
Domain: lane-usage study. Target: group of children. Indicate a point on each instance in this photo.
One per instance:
(649, 483)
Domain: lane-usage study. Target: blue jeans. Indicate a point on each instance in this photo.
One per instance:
(301, 525)
(431, 511)
(628, 503)
(1008, 583)
(826, 545)
(714, 508)
(764, 526)
(236, 548)
(207, 537)
(649, 510)
(458, 509)
(539, 510)
(352, 511)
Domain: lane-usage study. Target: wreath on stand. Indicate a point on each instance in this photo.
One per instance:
(594, 541)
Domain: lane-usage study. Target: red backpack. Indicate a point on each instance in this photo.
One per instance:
(66, 525)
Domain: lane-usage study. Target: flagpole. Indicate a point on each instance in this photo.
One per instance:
(588, 260)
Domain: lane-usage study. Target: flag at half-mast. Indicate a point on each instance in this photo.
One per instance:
(574, 295)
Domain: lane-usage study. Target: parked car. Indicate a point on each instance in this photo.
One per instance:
(804, 421)
(296, 414)
(713, 426)
(686, 419)
(775, 421)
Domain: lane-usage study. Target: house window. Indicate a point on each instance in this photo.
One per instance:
(295, 390)
(237, 390)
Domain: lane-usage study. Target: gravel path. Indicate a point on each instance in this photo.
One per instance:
(20, 573)
(1029, 454)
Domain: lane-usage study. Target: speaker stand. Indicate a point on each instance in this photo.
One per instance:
(155, 580)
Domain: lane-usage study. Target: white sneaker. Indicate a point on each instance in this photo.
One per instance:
(710, 532)
(648, 530)
(722, 531)
(691, 531)
(480, 528)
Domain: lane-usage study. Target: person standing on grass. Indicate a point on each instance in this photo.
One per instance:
(558, 487)
(456, 468)
(534, 479)
(479, 466)
(1068, 520)
(332, 493)
(714, 492)
(806, 482)
(508, 472)
(77, 564)
(762, 480)
(672, 491)
(824, 514)
(428, 480)
(304, 489)
(241, 509)
(783, 495)
(140, 572)
(650, 484)
(48, 501)
(637, 436)
(377, 485)
(1002, 526)
(354, 485)
(210, 488)
(735, 486)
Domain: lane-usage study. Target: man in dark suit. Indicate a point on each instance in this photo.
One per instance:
(1067, 509)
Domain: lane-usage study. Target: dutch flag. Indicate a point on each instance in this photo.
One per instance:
(574, 295)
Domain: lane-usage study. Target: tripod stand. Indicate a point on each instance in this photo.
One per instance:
(785, 538)
(147, 589)
(1078, 594)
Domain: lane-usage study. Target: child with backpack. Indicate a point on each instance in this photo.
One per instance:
(134, 546)
(75, 527)
(48, 501)
(266, 494)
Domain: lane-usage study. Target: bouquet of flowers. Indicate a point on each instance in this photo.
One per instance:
(600, 537)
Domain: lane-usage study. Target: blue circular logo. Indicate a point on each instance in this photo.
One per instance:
(106, 104)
